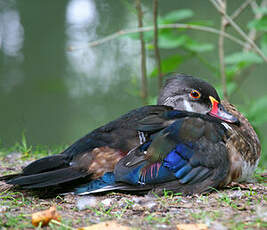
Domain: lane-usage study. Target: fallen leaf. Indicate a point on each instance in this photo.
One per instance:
(192, 227)
(45, 216)
(109, 225)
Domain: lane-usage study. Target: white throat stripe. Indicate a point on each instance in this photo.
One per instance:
(187, 106)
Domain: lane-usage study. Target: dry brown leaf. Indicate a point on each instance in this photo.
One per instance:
(109, 225)
(192, 227)
(45, 216)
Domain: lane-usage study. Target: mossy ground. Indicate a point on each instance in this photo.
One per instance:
(235, 207)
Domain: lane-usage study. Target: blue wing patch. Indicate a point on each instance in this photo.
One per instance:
(107, 179)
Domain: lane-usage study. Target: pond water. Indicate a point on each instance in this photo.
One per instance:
(54, 95)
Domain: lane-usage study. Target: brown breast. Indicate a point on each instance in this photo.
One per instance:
(243, 146)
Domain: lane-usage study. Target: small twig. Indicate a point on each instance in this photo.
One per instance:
(166, 26)
(239, 10)
(156, 47)
(221, 50)
(253, 33)
(239, 30)
(243, 75)
(144, 91)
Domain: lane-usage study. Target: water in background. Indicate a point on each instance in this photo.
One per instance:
(55, 95)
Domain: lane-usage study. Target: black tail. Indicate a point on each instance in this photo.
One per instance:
(9, 177)
(48, 171)
(46, 164)
(46, 179)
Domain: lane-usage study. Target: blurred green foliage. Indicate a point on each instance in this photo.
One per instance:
(236, 63)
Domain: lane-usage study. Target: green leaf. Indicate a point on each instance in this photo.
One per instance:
(177, 15)
(259, 105)
(169, 64)
(195, 46)
(264, 44)
(152, 100)
(232, 70)
(167, 41)
(231, 87)
(242, 57)
(261, 10)
(148, 36)
(258, 24)
(256, 114)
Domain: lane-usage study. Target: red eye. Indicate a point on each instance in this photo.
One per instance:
(195, 94)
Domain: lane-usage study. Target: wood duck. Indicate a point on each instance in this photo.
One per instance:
(188, 143)
(243, 143)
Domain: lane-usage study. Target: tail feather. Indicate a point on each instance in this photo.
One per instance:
(9, 177)
(46, 179)
(46, 164)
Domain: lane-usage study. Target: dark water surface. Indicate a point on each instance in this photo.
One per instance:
(56, 96)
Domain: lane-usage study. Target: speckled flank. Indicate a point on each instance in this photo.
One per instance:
(243, 146)
(104, 160)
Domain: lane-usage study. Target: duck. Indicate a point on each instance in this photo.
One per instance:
(243, 143)
(142, 149)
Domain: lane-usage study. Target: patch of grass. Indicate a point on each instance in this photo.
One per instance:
(11, 221)
(258, 175)
(203, 215)
(154, 218)
(23, 147)
(122, 212)
(102, 210)
(226, 199)
(248, 225)
(113, 211)
(29, 152)
(204, 198)
(5, 151)
(42, 151)
(14, 199)
(63, 225)
(169, 198)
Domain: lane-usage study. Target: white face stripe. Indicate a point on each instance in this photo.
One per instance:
(228, 127)
(187, 106)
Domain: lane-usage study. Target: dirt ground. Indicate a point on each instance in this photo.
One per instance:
(235, 207)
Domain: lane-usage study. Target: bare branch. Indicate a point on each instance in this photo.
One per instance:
(241, 9)
(166, 26)
(239, 30)
(221, 50)
(253, 33)
(144, 91)
(156, 47)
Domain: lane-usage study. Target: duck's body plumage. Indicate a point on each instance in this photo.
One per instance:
(155, 148)
(89, 157)
(243, 146)
(177, 158)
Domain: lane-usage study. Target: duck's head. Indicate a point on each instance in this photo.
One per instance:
(188, 93)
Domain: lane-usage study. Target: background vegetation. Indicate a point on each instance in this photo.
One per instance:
(63, 75)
